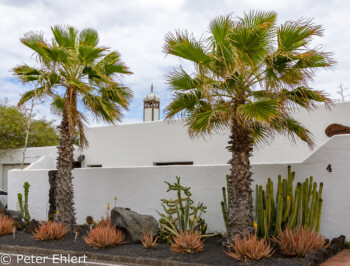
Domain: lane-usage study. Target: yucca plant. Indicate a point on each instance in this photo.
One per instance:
(250, 75)
(50, 230)
(148, 241)
(187, 242)
(300, 241)
(7, 225)
(76, 75)
(250, 248)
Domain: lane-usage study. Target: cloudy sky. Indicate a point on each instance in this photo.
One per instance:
(136, 29)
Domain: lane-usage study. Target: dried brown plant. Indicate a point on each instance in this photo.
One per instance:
(7, 225)
(187, 242)
(104, 235)
(299, 242)
(147, 240)
(250, 248)
(50, 230)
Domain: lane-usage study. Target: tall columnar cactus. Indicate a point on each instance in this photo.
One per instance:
(24, 207)
(226, 202)
(299, 207)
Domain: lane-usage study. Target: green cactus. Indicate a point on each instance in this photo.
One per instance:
(24, 207)
(20, 202)
(226, 202)
(299, 207)
(180, 213)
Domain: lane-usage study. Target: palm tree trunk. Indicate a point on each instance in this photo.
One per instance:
(240, 213)
(64, 184)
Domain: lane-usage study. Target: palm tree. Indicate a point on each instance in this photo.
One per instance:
(76, 75)
(249, 75)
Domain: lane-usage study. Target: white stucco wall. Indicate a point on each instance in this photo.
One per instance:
(146, 143)
(141, 188)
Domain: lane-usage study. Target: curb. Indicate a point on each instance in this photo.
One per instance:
(94, 256)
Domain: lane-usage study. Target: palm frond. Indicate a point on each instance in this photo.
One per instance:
(102, 109)
(65, 36)
(262, 110)
(183, 103)
(185, 46)
(295, 35)
(205, 122)
(179, 79)
(35, 41)
(88, 37)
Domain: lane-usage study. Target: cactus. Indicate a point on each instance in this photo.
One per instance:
(226, 202)
(180, 213)
(24, 207)
(299, 207)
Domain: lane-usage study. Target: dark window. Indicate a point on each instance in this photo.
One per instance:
(172, 163)
(95, 165)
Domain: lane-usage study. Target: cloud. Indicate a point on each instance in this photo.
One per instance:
(137, 29)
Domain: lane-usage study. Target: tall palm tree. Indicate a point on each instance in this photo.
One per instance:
(76, 75)
(249, 75)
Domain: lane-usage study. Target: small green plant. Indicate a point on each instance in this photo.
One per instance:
(347, 244)
(226, 202)
(301, 208)
(181, 214)
(24, 207)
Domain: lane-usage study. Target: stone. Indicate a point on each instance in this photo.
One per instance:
(2, 209)
(16, 215)
(133, 224)
(33, 224)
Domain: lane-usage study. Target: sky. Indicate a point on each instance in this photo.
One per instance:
(137, 28)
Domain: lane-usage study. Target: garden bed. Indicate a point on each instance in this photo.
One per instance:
(211, 255)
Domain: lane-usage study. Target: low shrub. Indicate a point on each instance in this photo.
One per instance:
(347, 244)
(298, 242)
(89, 220)
(50, 230)
(104, 235)
(187, 242)
(250, 248)
(147, 240)
(7, 225)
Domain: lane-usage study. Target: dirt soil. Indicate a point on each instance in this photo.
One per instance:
(213, 253)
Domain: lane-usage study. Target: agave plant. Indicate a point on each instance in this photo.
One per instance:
(50, 230)
(187, 242)
(300, 241)
(250, 248)
(148, 241)
(7, 225)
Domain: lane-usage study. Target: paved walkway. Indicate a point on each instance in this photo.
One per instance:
(341, 259)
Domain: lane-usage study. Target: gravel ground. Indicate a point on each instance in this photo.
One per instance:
(211, 255)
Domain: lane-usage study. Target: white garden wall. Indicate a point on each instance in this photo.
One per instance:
(141, 188)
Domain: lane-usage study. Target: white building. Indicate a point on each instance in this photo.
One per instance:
(132, 161)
